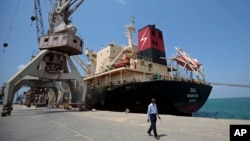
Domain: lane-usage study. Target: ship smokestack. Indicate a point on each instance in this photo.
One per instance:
(151, 44)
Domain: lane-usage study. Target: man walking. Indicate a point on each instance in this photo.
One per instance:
(152, 116)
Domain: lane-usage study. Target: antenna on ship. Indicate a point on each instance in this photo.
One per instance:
(129, 31)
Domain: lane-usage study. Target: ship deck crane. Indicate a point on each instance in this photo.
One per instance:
(130, 49)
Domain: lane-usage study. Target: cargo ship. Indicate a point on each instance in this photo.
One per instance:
(126, 78)
(117, 77)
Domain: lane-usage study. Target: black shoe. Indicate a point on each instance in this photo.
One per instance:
(157, 137)
(150, 134)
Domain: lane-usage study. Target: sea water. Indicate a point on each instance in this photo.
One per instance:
(226, 108)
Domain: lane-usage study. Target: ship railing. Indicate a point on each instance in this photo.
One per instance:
(184, 74)
(144, 78)
(147, 78)
(175, 77)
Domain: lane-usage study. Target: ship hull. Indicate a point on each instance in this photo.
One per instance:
(173, 97)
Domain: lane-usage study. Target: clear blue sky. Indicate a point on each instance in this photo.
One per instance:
(216, 32)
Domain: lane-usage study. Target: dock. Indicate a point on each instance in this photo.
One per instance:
(48, 124)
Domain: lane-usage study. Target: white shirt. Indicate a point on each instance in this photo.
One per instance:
(152, 109)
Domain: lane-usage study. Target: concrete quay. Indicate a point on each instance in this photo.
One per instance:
(43, 124)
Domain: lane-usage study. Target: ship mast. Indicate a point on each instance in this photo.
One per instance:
(129, 32)
(130, 49)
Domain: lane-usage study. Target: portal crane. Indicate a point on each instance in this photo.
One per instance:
(53, 63)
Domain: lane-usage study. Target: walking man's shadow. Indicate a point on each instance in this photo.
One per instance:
(161, 135)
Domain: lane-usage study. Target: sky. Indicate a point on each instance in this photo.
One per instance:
(215, 32)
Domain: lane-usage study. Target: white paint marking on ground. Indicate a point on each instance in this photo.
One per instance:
(77, 133)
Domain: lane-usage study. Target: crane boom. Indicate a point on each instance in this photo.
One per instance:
(59, 20)
(39, 19)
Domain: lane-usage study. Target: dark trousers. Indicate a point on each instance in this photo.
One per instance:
(153, 124)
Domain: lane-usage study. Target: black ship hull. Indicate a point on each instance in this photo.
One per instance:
(173, 97)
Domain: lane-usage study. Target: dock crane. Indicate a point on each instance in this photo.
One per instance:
(38, 18)
(53, 63)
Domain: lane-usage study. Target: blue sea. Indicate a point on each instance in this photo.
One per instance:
(225, 108)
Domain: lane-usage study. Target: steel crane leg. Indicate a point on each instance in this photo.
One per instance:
(36, 68)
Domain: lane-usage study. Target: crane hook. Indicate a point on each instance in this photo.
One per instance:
(33, 18)
(5, 45)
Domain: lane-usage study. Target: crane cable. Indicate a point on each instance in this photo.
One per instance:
(231, 84)
(5, 44)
